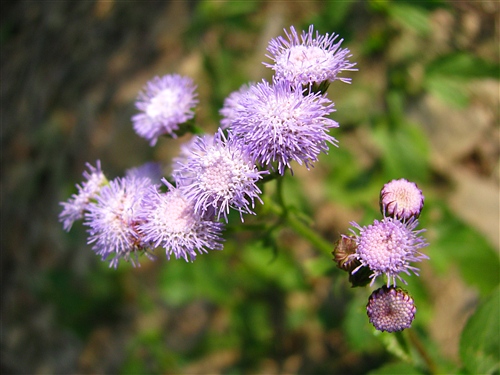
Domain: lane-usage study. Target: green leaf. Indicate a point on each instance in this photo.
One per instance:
(395, 345)
(464, 65)
(411, 17)
(337, 11)
(404, 151)
(318, 266)
(278, 268)
(396, 369)
(451, 90)
(181, 282)
(220, 9)
(479, 344)
(358, 330)
(458, 243)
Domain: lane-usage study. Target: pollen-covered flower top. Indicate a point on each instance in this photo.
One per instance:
(310, 58)
(168, 220)
(113, 219)
(74, 208)
(218, 174)
(280, 124)
(165, 103)
(388, 247)
(401, 199)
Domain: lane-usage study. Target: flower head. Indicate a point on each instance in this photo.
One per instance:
(151, 170)
(233, 104)
(169, 220)
(279, 124)
(387, 247)
(401, 199)
(74, 208)
(310, 58)
(191, 149)
(217, 175)
(113, 220)
(165, 103)
(390, 309)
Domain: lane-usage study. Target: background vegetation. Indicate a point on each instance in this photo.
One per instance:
(423, 106)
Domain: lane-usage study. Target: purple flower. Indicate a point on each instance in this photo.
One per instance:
(401, 199)
(233, 104)
(113, 220)
(217, 175)
(387, 247)
(151, 170)
(74, 208)
(169, 220)
(310, 58)
(165, 103)
(190, 149)
(279, 124)
(390, 309)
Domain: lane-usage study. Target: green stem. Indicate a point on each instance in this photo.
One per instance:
(297, 225)
(310, 235)
(414, 340)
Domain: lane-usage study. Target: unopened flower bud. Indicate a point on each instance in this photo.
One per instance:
(343, 255)
(390, 309)
(401, 199)
(345, 247)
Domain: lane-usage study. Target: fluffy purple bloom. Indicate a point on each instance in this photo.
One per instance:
(113, 220)
(401, 199)
(310, 58)
(232, 105)
(217, 175)
(165, 103)
(74, 208)
(390, 309)
(151, 170)
(169, 220)
(279, 124)
(190, 149)
(388, 247)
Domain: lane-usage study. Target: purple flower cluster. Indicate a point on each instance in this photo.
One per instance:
(287, 120)
(387, 247)
(265, 128)
(129, 216)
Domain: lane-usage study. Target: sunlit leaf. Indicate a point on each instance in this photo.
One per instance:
(396, 369)
(464, 65)
(480, 341)
(410, 16)
(449, 89)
